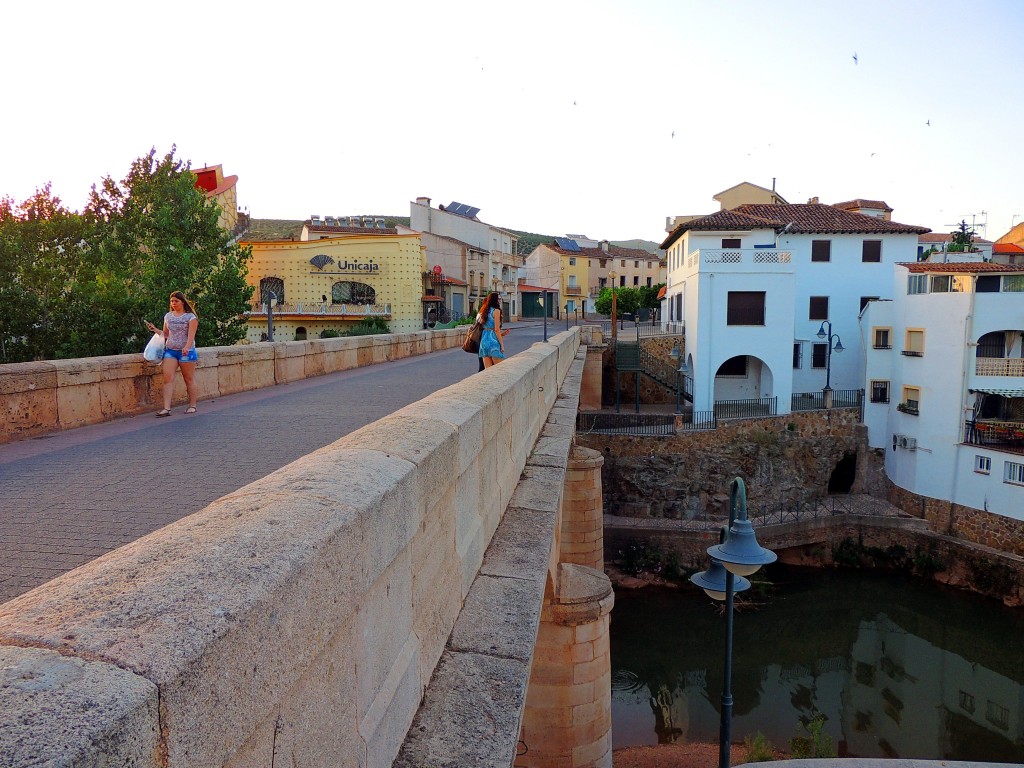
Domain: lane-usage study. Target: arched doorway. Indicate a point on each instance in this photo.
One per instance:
(743, 377)
(348, 292)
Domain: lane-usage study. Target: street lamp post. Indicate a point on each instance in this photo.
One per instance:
(544, 311)
(270, 299)
(737, 555)
(613, 276)
(683, 369)
(838, 347)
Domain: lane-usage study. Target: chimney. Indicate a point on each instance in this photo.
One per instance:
(604, 246)
(813, 201)
(423, 201)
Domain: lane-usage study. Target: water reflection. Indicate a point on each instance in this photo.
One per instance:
(900, 668)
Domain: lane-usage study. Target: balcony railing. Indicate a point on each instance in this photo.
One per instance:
(323, 309)
(718, 256)
(999, 435)
(999, 366)
(573, 290)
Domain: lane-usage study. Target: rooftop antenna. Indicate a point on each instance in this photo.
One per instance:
(974, 224)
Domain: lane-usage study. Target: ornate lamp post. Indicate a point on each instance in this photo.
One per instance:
(683, 370)
(270, 299)
(838, 347)
(737, 555)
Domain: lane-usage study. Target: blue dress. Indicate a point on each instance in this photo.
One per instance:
(489, 345)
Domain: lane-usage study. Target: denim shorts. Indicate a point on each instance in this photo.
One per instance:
(191, 357)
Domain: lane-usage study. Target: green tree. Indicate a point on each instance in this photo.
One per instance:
(627, 300)
(160, 234)
(649, 296)
(962, 239)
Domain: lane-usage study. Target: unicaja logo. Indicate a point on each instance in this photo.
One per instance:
(359, 266)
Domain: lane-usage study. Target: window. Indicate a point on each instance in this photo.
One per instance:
(871, 251)
(864, 301)
(275, 284)
(572, 261)
(602, 282)
(636, 265)
(622, 263)
(819, 355)
(352, 293)
(821, 250)
(734, 366)
(604, 263)
(731, 242)
(649, 265)
(987, 284)
(992, 345)
(798, 355)
(745, 308)
(940, 283)
(622, 281)
(648, 282)
(982, 464)
(818, 309)
(879, 391)
(882, 340)
(1013, 283)
(636, 279)
(1013, 473)
(966, 701)
(914, 343)
(998, 715)
(911, 402)
(917, 284)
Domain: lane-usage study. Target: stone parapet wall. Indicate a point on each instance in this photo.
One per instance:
(298, 620)
(37, 398)
(975, 525)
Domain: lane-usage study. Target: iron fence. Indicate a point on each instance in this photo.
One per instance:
(815, 401)
(1000, 435)
(699, 420)
(626, 423)
(751, 408)
(654, 328)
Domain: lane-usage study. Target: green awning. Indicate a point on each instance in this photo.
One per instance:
(1003, 392)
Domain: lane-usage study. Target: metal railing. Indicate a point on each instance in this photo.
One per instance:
(815, 401)
(999, 435)
(659, 370)
(751, 408)
(694, 421)
(321, 308)
(652, 424)
(653, 328)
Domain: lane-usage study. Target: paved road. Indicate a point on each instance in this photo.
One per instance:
(72, 496)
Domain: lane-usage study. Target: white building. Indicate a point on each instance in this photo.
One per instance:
(754, 285)
(492, 255)
(944, 370)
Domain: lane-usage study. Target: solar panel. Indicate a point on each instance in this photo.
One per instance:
(472, 212)
(566, 244)
(455, 208)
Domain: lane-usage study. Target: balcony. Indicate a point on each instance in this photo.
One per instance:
(319, 308)
(573, 290)
(998, 435)
(999, 366)
(741, 259)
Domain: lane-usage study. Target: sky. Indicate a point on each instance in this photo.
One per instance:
(597, 118)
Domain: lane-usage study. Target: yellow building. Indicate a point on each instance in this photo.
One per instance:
(333, 283)
(221, 189)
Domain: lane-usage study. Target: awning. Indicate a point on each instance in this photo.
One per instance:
(1002, 392)
(661, 293)
(432, 298)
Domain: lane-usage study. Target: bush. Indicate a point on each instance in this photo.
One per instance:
(816, 743)
(759, 749)
(330, 333)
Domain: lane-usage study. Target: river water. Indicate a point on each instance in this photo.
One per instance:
(900, 667)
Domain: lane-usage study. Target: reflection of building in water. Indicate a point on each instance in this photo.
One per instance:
(904, 691)
(662, 702)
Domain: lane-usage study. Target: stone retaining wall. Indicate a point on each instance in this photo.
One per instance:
(296, 621)
(36, 398)
(975, 525)
(784, 460)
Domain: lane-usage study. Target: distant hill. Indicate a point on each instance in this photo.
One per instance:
(290, 229)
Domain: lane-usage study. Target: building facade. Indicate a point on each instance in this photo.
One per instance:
(222, 190)
(755, 285)
(944, 373)
(491, 254)
(336, 280)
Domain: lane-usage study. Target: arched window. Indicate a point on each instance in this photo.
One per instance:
(992, 345)
(300, 333)
(275, 284)
(347, 292)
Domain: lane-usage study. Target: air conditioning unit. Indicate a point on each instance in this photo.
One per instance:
(910, 443)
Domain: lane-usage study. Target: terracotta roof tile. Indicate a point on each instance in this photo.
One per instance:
(613, 252)
(809, 218)
(962, 268)
(533, 288)
(324, 229)
(874, 205)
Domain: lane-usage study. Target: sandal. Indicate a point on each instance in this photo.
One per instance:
(190, 409)
(163, 412)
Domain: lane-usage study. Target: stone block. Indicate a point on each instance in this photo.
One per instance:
(61, 710)
(289, 361)
(500, 617)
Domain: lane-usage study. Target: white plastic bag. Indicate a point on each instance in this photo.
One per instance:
(154, 351)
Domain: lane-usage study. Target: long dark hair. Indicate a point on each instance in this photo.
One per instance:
(493, 302)
(185, 302)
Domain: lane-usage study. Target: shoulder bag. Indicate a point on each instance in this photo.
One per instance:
(471, 343)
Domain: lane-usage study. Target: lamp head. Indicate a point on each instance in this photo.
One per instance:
(712, 581)
(839, 345)
(821, 331)
(674, 354)
(740, 552)
(684, 369)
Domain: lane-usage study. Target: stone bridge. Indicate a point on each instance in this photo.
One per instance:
(426, 591)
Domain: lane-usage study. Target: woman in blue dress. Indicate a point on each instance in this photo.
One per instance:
(492, 341)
